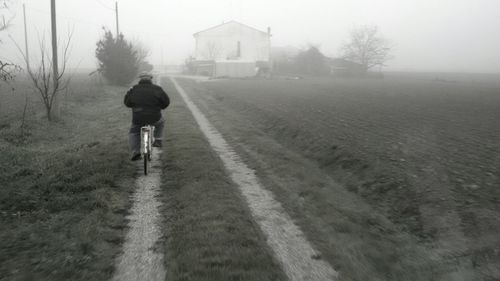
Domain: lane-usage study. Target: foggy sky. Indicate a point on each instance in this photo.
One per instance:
(439, 35)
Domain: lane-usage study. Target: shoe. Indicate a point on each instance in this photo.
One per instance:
(157, 143)
(136, 156)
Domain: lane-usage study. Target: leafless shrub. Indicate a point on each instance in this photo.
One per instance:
(46, 85)
(4, 7)
(212, 50)
(7, 69)
(142, 53)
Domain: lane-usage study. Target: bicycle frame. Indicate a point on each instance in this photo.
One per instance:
(147, 139)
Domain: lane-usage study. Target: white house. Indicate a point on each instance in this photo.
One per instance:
(232, 49)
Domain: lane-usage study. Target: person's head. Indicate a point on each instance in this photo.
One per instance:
(145, 77)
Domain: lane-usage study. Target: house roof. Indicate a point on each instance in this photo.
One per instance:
(229, 22)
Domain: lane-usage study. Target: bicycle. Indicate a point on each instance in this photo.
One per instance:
(147, 139)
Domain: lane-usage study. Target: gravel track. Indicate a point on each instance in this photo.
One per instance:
(140, 260)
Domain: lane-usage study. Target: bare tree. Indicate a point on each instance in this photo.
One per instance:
(142, 54)
(367, 47)
(41, 75)
(4, 7)
(212, 50)
(142, 51)
(7, 69)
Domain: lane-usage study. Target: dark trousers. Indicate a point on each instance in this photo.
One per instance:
(134, 135)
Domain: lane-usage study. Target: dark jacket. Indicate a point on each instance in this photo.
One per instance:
(146, 100)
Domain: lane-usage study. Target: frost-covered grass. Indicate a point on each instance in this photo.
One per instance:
(64, 186)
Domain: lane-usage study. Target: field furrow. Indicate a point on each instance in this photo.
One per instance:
(423, 154)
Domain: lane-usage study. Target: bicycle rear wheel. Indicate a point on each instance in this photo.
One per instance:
(146, 158)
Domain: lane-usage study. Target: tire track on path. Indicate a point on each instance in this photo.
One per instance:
(139, 260)
(296, 255)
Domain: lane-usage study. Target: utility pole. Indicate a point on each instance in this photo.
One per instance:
(117, 26)
(55, 105)
(26, 40)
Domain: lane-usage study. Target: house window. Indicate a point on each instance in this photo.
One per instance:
(238, 49)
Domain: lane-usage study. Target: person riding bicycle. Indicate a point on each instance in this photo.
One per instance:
(146, 100)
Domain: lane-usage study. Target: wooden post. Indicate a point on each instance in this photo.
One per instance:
(26, 40)
(117, 26)
(56, 102)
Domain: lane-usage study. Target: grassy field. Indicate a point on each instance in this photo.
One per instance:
(209, 232)
(64, 185)
(422, 152)
(393, 179)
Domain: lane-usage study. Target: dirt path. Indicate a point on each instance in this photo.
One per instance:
(296, 255)
(140, 260)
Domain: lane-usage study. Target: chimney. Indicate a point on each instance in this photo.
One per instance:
(269, 31)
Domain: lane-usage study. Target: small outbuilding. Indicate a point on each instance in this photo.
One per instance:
(343, 67)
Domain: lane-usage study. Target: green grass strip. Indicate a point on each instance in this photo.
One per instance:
(209, 233)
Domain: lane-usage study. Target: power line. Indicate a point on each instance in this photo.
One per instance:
(133, 29)
(104, 5)
(87, 23)
(66, 17)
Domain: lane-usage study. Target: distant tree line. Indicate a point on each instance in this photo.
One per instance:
(309, 61)
(364, 50)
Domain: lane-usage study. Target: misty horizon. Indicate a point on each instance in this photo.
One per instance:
(447, 36)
